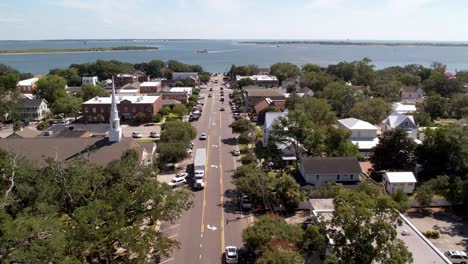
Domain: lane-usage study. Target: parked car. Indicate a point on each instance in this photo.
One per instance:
(137, 135)
(203, 136)
(457, 257)
(222, 109)
(211, 89)
(189, 151)
(245, 201)
(236, 152)
(155, 135)
(231, 256)
(176, 182)
(209, 95)
(182, 175)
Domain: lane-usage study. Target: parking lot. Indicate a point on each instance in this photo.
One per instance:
(144, 130)
(453, 230)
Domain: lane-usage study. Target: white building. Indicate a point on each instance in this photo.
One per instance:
(404, 108)
(33, 109)
(89, 80)
(318, 171)
(270, 118)
(405, 122)
(187, 90)
(261, 80)
(363, 134)
(399, 180)
(411, 94)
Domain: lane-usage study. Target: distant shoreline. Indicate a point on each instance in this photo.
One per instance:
(78, 50)
(359, 43)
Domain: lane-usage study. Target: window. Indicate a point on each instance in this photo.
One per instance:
(338, 177)
(86, 109)
(317, 178)
(94, 109)
(406, 123)
(351, 177)
(102, 109)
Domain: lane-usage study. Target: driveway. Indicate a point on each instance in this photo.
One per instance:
(453, 230)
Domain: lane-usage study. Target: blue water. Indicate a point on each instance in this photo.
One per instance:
(223, 53)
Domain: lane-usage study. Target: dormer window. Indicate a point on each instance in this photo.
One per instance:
(406, 123)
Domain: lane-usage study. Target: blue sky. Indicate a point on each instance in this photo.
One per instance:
(236, 19)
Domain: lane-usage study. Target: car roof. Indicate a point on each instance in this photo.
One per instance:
(231, 248)
(457, 252)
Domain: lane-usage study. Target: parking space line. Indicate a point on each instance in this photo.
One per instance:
(170, 228)
(167, 260)
(173, 236)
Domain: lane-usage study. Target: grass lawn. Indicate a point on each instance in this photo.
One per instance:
(147, 140)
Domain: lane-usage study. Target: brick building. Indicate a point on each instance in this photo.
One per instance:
(128, 107)
(179, 96)
(123, 79)
(27, 86)
(150, 87)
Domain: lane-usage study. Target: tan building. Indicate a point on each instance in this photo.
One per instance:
(123, 79)
(150, 87)
(253, 95)
(128, 107)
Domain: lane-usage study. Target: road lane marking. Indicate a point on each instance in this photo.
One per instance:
(212, 228)
(202, 228)
(222, 207)
(214, 146)
(169, 228)
(167, 260)
(173, 236)
(220, 119)
(214, 166)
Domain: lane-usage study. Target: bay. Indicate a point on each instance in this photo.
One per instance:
(222, 53)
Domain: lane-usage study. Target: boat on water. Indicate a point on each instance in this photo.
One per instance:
(202, 51)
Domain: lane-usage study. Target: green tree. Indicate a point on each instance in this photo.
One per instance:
(365, 75)
(287, 192)
(89, 91)
(103, 69)
(279, 252)
(51, 88)
(177, 66)
(244, 82)
(424, 194)
(176, 131)
(267, 228)
(343, 70)
(241, 126)
(284, 70)
(388, 91)
(71, 75)
(444, 151)
(315, 80)
(172, 152)
(401, 198)
(363, 229)
(459, 105)
(152, 68)
(395, 151)
(438, 83)
(247, 70)
(311, 68)
(165, 110)
(68, 105)
(337, 143)
(422, 118)
(436, 106)
(179, 84)
(180, 110)
(372, 110)
(318, 110)
(341, 97)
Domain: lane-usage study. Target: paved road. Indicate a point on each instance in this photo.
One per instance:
(215, 221)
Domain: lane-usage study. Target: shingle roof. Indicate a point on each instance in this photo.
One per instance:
(395, 119)
(262, 92)
(335, 165)
(409, 89)
(354, 123)
(32, 102)
(97, 150)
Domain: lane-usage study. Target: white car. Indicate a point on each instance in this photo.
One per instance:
(176, 182)
(236, 152)
(155, 135)
(457, 257)
(231, 255)
(203, 136)
(182, 175)
(189, 151)
(137, 135)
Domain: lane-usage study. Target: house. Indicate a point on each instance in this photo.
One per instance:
(187, 90)
(399, 180)
(33, 109)
(405, 122)
(291, 82)
(182, 76)
(128, 107)
(422, 250)
(404, 108)
(130, 89)
(270, 118)
(267, 81)
(261, 106)
(411, 94)
(318, 171)
(89, 80)
(71, 145)
(363, 134)
(264, 71)
(27, 86)
(150, 87)
(253, 95)
(288, 151)
(123, 79)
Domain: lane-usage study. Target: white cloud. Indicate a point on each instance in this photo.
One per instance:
(408, 6)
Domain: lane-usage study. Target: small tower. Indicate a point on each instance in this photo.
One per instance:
(115, 131)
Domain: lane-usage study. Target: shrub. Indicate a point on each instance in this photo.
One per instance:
(43, 125)
(431, 234)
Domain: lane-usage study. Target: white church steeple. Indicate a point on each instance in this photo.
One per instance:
(115, 131)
